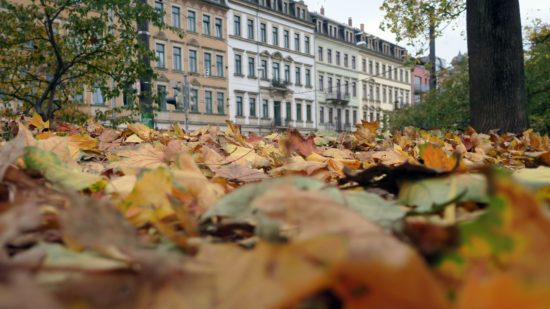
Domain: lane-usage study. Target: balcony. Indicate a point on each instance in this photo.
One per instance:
(337, 97)
(421, 88)
(279, 85)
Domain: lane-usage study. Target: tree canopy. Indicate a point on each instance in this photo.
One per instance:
(51, 49)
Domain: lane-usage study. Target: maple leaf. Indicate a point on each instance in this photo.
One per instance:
(303, 146)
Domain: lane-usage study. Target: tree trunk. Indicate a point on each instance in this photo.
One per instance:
(433, 64)
(497, 81)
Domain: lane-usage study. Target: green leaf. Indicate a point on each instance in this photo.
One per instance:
(60, 173)
(429, 194)
(237, 205)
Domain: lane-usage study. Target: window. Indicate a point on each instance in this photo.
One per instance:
(299, 111)
(161, 94)
(219, 28)
(307, 45)
(384, 95)
(321, 82)
(250, 27)
(329, 86)
(401, 75)
(159, 6)
(329, 55)
(276, 72)
(354, 89)
(237, 25)
(377, 66)
(308, 78)
(251, 67)
(287, 73)
(298, 80)
(97, 96)
(370, 67)
(354, 117)
(377, 93)
(205, 24)
(364, 65)
(252, 106)
(221, 102)
(207, 64)
(384, 70)
(364, 90)
(275, 36)
(406, 77)
(330, 113)
(239, 100)
(308, 113)
(176, 51)
(265, 109)
(208, 101)
(390, 95)
(176, 17)
(193, 61)
(346, 88)
(238, 65)
(288, 111)
(264, 69)
(322, 115)
(337, 58)
(347, 117)
(191, 21)
(160, 55)
(346, 62)
(353, 63)
(389, 72)
(297, 42)
(194, 97)
(263, 33)
(320, 53)
(286, 39)
(219, 65)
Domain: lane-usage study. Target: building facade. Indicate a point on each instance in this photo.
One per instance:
(359, 76)
(421, 83)
(200, 55)
(271, 65)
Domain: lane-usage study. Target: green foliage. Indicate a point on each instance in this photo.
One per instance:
(51, 49)
(537, 76)
(448, 107)
(410, 20)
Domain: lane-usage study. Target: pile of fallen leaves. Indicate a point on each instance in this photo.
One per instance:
(93, 217)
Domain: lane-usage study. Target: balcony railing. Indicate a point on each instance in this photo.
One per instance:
(337, 97)
(279, 84)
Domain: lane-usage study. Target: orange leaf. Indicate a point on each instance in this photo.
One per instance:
(436, 158)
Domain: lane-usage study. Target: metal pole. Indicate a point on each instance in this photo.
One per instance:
(186, 101)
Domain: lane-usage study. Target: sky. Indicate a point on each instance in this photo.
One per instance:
(454, 35)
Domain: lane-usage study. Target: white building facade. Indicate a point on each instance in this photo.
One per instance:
(271, 65)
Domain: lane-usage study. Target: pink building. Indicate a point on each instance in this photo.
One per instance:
(420, 83)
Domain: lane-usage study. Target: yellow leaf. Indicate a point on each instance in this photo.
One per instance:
(37, 122)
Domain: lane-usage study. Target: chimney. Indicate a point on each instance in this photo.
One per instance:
(322, 11)
(350, 23)
(362, 27)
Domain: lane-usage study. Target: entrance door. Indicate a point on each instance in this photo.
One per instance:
(277, 113)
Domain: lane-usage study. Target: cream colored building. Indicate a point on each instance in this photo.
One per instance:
(358, 75)
(201, 55)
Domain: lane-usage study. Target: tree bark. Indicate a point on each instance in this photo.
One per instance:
(498, 97)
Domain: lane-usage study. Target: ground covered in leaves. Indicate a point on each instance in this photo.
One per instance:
(93, 217)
